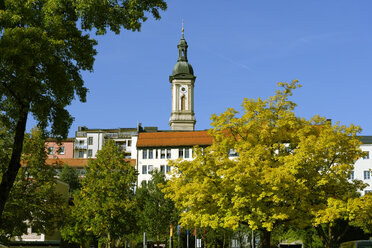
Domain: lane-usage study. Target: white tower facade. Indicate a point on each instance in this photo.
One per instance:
(182, 80)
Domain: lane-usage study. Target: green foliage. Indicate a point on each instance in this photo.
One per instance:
(360, 212)
(33, 201)
(156, 212)
(307, 236)
(5, 147)
(289, 170)
(105, 206)
(70, 176)
(44, 47)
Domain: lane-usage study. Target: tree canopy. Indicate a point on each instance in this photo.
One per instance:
(156, 213)
(105, 207)
(70, 176)
(44, 46)
(34, 200)
(289, 170)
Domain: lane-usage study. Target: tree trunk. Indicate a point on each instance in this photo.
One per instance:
(253, 240)
(331, 235)
(108, 240)
(157, 240)
(265, 238)
(10, 174)
(204, 238)
(224, 239)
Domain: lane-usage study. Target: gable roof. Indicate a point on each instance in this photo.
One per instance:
(171, 139)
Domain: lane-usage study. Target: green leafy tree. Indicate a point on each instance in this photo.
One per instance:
(34, 201)
(156, 212)
(290, 171)
(105, 207)
(70, 176)
(44, 46)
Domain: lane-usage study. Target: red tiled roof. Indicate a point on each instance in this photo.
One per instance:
(168, 139)
(77, 162)
(62, 141)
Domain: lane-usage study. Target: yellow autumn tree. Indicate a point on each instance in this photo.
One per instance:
(287, 169)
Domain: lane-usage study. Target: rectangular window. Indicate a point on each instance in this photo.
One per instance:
(90, 153)
(169, 168)
(144, 169)
(129, 143)
(90, 140)
(150, 167)
(162, 153)
(180, 153)
(351, 176)
(62, 150)
(162, 169)
(168, 153)
(367, 175)
(151, 154)
(81, 154)
(51, 150)
(156, 153)
(366, 156)
(144, 154)
(187, 153)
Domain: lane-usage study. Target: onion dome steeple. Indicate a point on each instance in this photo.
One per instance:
(182, 48)
(182, 80)
(182, 69)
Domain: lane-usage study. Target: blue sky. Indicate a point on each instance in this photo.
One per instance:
(238, 49)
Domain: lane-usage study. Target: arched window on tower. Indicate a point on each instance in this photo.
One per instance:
(183, 102)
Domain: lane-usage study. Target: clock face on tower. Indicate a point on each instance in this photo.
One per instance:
(183, 89)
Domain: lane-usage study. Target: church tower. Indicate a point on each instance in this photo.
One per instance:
(182, 80)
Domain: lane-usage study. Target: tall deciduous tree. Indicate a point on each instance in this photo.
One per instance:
(44, 47)
(288, 170)
(156, 212)
(34, 200)
(105, 207)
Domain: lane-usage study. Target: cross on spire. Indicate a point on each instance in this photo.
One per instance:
(182, 29)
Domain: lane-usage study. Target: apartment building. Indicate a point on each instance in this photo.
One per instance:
(60, 149)
(155, 149)
(363, 166)
(89, 141)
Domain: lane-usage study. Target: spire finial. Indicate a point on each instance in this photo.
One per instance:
(182, 28)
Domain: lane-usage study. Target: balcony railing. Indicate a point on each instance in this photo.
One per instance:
(111, 135)
(81, 134)
(118, 135)
(80, 147)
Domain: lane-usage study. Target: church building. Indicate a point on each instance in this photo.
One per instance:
(154, 149)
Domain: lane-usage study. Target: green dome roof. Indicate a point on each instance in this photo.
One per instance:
(182, 67)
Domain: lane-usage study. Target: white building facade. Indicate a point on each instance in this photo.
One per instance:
(363, 166)
(89, 141)
(154, 150)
